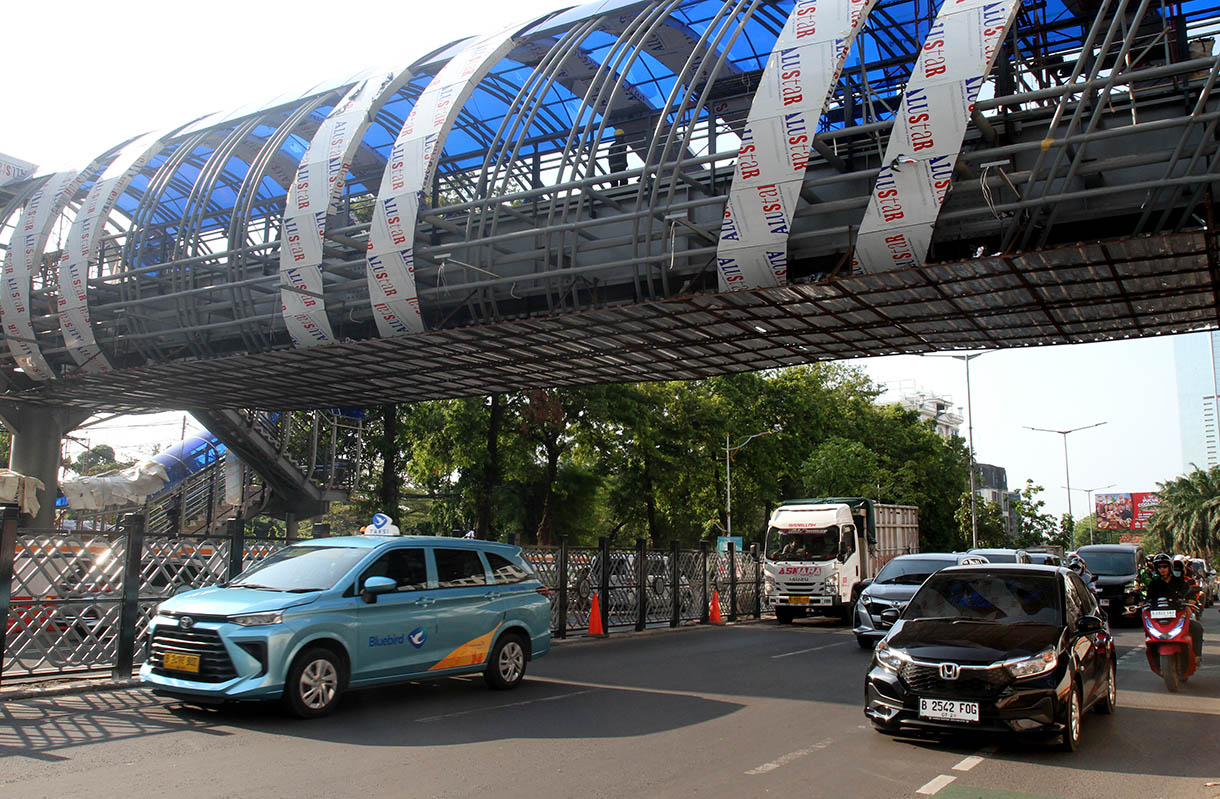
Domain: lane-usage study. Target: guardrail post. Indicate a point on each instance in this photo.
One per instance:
(757, 581)
(563, 586)
(675, 573)
(237, 545)
(603, 581)
(641, 578)
(8, 552)
(704, 617)
(129, 611)
(732, 581)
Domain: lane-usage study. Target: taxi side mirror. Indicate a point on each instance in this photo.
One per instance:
(377, 585)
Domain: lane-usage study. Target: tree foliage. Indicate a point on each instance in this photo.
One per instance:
(1187, 519)
(648, 460)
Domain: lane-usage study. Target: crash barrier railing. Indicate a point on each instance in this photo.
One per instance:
(79, 601)
(640, 587)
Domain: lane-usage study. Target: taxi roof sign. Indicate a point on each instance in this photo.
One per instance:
(382, 525)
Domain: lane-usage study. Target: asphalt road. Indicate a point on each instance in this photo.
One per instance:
(738, 711)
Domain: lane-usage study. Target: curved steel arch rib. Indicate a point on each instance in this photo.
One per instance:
(775, 144)
(319, 183)
(412, 164)
(84, 239)
(25, 251)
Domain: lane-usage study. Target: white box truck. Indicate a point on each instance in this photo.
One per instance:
(819, 551)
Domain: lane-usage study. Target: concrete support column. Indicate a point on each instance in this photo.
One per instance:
(37, 434)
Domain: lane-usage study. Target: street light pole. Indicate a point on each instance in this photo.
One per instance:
(974, 518)
(1067, 475)
(728, 475)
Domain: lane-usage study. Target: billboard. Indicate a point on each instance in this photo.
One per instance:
(1125, 511)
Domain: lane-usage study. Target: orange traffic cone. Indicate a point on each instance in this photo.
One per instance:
(595, 618)
(716, 618)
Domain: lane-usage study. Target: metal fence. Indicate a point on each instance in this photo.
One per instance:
(80, 601)
(640, 587)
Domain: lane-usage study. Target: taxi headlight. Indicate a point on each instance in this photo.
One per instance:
(1041, 663)
(889, 659)
(258, 619)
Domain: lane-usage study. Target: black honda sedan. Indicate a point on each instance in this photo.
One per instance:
(1000, 648)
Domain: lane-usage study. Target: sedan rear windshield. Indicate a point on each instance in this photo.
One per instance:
(300, 569)
(912, 571)
(1005, 598)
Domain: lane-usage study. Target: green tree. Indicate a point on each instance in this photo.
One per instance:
(1033, 526)
(840, 467)
(1188, 516)
(97, 460)
(992, 529)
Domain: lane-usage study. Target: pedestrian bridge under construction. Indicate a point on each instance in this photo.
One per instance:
(632, 191)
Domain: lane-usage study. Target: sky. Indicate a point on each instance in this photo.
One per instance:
(81, 77)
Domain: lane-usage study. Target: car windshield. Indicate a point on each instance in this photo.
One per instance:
(300, 569)
(998, 597)
(1109, 563)
(910, 571)
(803, 545)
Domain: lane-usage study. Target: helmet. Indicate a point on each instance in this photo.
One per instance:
(1075, 563)
(1178, 567)
(1161, 560)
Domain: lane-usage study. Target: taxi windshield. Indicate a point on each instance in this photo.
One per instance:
(811, 544)
(300, 569)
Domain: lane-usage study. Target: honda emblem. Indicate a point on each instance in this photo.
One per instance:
(948, 671)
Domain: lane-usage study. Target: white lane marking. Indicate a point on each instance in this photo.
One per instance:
(968, 763)
(932, 787)
(504, 707)
(788, 758)
(803, 651)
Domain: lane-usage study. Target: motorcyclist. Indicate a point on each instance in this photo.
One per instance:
(1078, 565)
(1171, 586)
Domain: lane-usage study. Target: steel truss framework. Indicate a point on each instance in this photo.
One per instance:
(540, 260)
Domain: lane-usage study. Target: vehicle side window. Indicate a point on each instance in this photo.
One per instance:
(457, 568)
(1088, 602)
(504, 570)
(1073, 591)
(405, 566)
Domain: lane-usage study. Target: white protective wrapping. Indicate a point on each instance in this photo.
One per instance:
(234, 478)
(23, 259)
(14, 169)
(313, 196)
(20, 489)
(413, 161)
(83, 241)
(130, 486)
(928, 132)
(775, 143)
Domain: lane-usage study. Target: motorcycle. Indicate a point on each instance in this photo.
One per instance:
(1167, 641)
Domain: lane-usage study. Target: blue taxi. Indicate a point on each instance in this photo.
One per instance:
(322, 616)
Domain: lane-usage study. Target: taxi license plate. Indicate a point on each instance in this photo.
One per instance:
(798, 600)
(181, 662)
(948, 710)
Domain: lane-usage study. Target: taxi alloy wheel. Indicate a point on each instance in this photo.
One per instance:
(315, 683)
(506, 666)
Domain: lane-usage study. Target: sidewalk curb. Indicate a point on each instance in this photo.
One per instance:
(53, 687)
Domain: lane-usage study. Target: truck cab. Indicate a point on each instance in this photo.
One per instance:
(816, 557)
